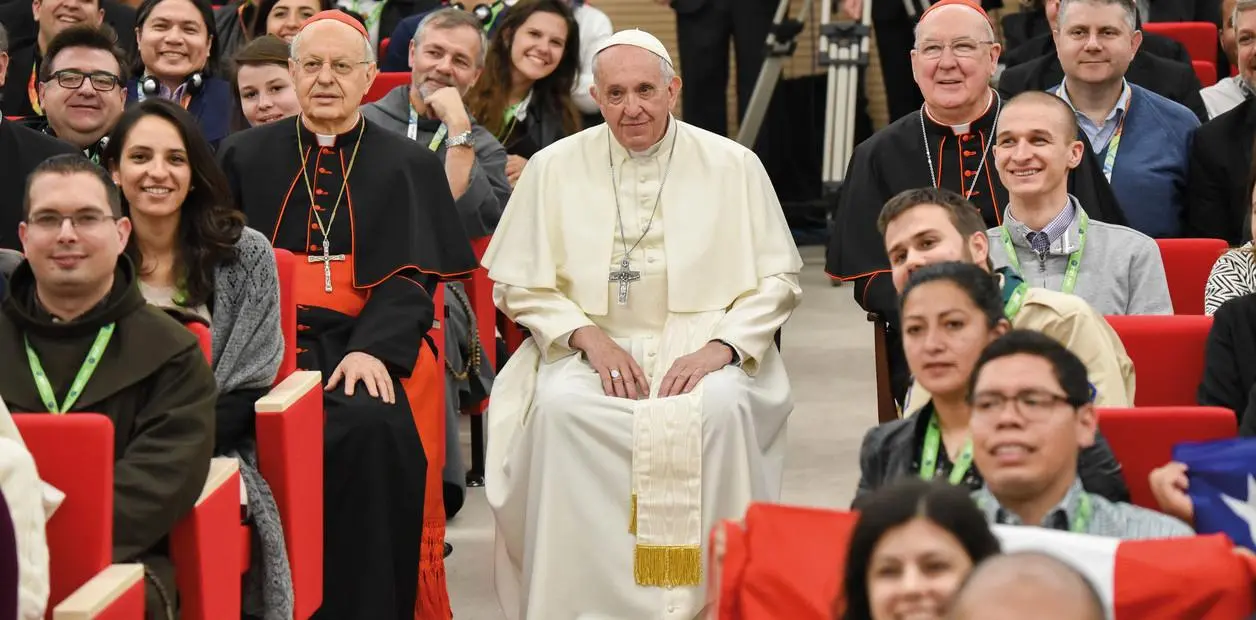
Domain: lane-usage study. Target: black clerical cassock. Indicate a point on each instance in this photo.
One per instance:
(392, 233)
(911, 154)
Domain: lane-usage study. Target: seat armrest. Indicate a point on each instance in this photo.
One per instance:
(116, 593)
(205, 547)
(290, 456)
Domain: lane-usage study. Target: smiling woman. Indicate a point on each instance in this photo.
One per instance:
(177, 60)
(262, 83)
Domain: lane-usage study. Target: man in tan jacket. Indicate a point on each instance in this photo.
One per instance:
(925, 226)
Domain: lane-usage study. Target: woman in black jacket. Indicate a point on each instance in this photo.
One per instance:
(950, 312)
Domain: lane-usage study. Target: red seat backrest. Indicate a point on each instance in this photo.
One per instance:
(74, 453)
(1142, 438)
(1199, 38)
(1205, 71)
(285, 263)
(1187, 263)
(1168, 356)
(385, 82)
(205, 337)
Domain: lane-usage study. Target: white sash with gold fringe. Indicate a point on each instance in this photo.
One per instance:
(667, 466)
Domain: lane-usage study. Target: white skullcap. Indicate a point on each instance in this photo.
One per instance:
(637, 38)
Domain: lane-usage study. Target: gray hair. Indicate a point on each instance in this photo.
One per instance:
(449, 18)
(368, 50)
(4, 40)
(666, 71)
(1242, 6)
(989, 28)
(1127, 6)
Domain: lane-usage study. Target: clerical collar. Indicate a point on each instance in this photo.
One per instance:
(984, 119)
(342, 140)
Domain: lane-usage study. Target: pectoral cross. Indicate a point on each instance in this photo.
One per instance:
(623, 276)
(326, 260)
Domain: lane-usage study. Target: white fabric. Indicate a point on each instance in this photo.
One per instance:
(31, 503)
(637, 38)
(1093, 556)
(1223, 96)
(595, 27)
(163, 297)
(560, 452)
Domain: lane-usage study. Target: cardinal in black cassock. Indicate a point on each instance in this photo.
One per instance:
(896, 159)
(393, 237)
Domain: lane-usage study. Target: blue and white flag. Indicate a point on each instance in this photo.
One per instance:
(1222, 478)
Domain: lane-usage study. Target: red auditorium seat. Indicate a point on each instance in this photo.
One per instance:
(1142, 438)
(788, 562)
(1205, 71)
(1199, 38)
(290, 457)
(385, 82)
(1168, 356)
(1187, 263)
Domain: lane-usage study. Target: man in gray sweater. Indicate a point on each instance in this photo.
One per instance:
(446, 58)
(1046, 235)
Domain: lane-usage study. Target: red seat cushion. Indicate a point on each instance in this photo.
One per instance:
(1142, 439)
(1168, 356)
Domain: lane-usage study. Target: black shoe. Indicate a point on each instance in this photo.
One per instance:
(448, 549)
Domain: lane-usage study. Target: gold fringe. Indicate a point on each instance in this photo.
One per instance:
(632, 519)
(667, 567)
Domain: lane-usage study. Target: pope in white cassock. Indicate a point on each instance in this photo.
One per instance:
(653, 266)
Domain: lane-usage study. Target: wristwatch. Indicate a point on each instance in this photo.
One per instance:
(462, 139)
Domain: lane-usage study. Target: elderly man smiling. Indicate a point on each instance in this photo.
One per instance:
(652, 264)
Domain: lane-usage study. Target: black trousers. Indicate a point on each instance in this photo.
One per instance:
(894, 42)
(703, 30)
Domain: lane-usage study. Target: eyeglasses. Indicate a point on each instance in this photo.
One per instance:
(1033, 405)
(102, 81)
(962, 48)
(83, 221)
(314, 66)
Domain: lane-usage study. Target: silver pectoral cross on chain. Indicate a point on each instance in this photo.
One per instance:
(326, 260)
(624, 276)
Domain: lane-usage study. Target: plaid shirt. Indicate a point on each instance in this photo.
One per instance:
(1115, 520)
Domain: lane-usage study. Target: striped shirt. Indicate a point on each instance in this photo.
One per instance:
(1100, 134)
(1233, 275)
(1112, 519)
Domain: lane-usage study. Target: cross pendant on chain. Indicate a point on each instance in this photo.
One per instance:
(623, 276)
(326, 260)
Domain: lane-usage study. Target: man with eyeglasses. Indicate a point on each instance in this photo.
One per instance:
(21, 149)
(371, 218)
(77, 336)
(1032, 412)
(20, 91)
(82, 88)
(946, 144)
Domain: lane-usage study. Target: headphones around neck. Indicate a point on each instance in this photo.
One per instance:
(151, 87)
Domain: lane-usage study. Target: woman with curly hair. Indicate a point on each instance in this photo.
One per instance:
(195, 257)
(524, 94)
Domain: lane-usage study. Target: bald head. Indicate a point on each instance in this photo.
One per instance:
(343, 36)
(1027, 586)
(971, 18)
(1047, 106)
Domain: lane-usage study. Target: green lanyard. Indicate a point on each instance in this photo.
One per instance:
(1074, 259)
(1081, 521)
(80, 380)
(1014, 303)
(373, 16)
(1114, 143)
(929, 455)
(412, 131)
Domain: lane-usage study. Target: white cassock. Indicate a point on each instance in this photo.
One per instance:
(603, 505)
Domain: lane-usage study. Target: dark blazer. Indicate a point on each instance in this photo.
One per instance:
(1221, 159)
(1171, 80)
(21, 149)
(211, 107)
(15, 95)
(889, 453)
(1230, 357)
(1042, 44)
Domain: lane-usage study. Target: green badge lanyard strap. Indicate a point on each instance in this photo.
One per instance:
(373, 16)
(1114, 143)
(85, 372)
(1081, 520)
(929, 455)
(1014, 303)
(412, 131)
(1074, 259)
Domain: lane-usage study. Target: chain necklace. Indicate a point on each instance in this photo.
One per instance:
(327, 257)
(624, 275)
(984, 152)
